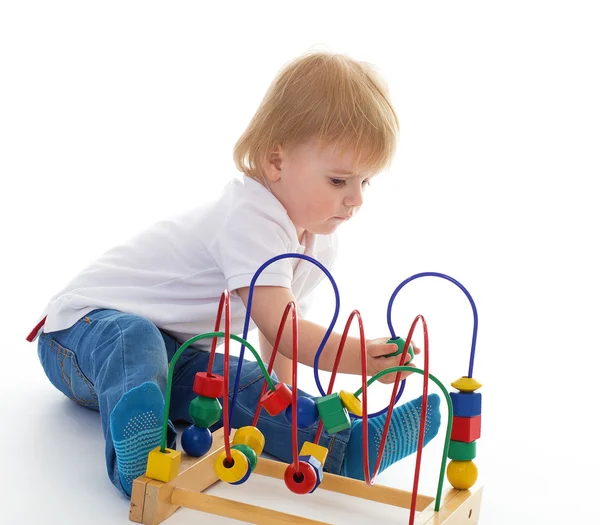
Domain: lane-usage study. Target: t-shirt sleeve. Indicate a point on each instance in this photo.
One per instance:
(245, 242)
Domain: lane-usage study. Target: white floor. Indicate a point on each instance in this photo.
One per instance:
(534, 465)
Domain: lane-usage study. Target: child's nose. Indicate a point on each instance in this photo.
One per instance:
(354, 198)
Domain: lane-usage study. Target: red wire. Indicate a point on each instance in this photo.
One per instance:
(413, 502)
(271, 362)
(225, 297)
(295, 388)
(214, 341)
(336, 364)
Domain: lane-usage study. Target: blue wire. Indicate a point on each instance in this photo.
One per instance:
(443, 276)
(323, 342)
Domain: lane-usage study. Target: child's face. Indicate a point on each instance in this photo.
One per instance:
(316, 187)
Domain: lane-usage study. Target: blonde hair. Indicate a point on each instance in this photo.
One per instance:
(325, 96)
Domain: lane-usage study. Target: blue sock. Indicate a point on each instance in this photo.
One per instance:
(402, 438)
(136, 428)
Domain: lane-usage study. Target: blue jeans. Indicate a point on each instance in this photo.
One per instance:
(107, 353)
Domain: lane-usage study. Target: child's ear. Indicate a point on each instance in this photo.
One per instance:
(274, 165)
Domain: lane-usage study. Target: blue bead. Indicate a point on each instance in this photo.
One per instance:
(308, 414)
(196, 441)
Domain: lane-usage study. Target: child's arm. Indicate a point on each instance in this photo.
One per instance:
(268, 305)
(282, 366)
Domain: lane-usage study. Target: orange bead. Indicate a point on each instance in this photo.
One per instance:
(276, 401)
(302, 482)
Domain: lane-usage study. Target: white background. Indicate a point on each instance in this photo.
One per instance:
(114, 115)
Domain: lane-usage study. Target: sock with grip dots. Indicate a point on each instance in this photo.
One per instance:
(402, 438)
(136, 428)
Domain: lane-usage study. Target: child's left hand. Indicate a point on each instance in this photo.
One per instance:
(376, 362)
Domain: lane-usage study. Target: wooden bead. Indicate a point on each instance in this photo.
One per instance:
(466, 429)
(245, 478)
(302, 482)
(249, 453)
(205, 411)
(196, 441)
(208, 385)
(351, 403)
(233, 471)
(462, 451)
(462, 475)
(466, 404)
(466, 384)
(399, 342)
(317, 466)
(276, 401)
(312, 449)
(250, 436)
(333, 414)
(163, 466)
(307, 412)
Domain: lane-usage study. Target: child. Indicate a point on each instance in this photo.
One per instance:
(323, 131)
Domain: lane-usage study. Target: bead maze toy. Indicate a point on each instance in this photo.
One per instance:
(176, 479)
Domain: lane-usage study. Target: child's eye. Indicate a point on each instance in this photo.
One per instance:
(366, 182)
(337, 182)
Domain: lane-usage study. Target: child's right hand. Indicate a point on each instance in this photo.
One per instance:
(376, 362)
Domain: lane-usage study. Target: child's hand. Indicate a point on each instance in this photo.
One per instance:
(376, 349)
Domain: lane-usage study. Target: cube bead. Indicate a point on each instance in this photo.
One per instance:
(466, 429)
(466, 404)
(276, 401)
(163, 466)
(333, 414)
(312, 449)
(317, 466)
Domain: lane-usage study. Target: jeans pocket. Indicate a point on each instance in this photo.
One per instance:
(63, 371)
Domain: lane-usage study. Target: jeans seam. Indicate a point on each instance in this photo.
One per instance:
(63, 352)
(122, 338)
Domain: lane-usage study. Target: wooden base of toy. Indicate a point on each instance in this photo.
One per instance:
(152, 501)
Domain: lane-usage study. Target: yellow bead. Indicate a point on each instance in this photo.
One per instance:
(351, 402)
(317, 451)
(466, 384)
(462, 475)
(250, 436)
(163, 466)
(236, 471)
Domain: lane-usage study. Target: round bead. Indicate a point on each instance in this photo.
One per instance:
(196, 441)
(208, 385)
(276, 401)
(249, 453)
(303, 481)
(307, 412)
(250, 436)
(462, 475)
(245, 478)
(234, 472)
(205, 411)
(351, 402)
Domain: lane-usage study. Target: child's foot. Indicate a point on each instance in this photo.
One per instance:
(136, 428)
(402, 438)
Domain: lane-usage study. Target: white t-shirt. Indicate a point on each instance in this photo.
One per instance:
(174, 273)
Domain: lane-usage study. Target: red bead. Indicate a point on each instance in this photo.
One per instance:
(466, 429)
(302, 482)
(208, 385)
(276, 401)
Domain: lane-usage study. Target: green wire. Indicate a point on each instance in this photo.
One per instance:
(182, 348)
(395, 369)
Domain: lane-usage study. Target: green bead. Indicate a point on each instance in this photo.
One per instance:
(399, 342)
(333, 414)
(249, 453)
(460, 451)
(205, 411)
